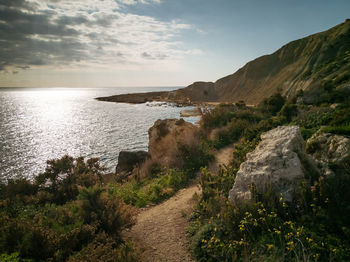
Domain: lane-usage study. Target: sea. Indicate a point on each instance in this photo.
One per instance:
(39, 124)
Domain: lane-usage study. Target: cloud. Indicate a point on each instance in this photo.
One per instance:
(84, 33)
(133, 2)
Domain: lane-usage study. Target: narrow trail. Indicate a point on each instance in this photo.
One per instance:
(222, 157)
(159, 234)
(160, 231)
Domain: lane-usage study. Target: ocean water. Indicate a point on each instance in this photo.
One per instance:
(38, 124)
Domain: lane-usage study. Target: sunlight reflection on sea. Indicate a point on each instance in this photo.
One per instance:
(38, 124)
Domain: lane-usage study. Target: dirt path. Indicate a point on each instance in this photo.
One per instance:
(160, 231)
(222, 157)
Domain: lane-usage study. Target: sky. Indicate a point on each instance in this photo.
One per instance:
(111, 43)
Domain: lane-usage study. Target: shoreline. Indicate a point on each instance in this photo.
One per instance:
(156, 96)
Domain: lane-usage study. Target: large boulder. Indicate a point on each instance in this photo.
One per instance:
(329, 149)
(166, 137)
(279, 162)
(128, 160)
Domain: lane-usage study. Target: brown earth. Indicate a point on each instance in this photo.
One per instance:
(222, 158)
(160, 231)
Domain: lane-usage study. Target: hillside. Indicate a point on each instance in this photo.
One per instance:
(312, 63)
(315, 64)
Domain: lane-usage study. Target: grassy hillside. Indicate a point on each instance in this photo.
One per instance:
(314, 63)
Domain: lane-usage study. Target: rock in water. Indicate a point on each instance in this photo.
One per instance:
(277, 163)
(127, 161)
(166, 137)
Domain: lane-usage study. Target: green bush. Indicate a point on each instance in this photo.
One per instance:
(152, 190)
(308, 132)
(195, 157)
(105, 249)
(340, 130)
(14, 257)
(217, 117)
(62, 177)
(61, 213)
(273, 104)
(313, 227)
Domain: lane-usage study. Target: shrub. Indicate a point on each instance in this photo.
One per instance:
(56, 231)
(195, 157)
(14, 257)
(105, 249)
(288, 111)
(340, 130)
(110, 215)
(314, 227)
(308, 132)
(273, 104)
(62, 177)
(217, 117)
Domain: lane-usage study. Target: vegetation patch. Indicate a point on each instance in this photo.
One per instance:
(312, 228)
(66, 214)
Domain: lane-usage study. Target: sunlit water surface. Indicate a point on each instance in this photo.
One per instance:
(45, 123)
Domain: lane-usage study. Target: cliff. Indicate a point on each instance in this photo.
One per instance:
(311, 64)
(315, 63)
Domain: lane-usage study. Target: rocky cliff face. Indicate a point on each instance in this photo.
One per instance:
(314, 63)
(166, 137)
(128, 161)
(165, 140)
(279, 162)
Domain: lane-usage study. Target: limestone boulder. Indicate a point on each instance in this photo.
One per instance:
(329, 148)
(166, 137)
(279, 162)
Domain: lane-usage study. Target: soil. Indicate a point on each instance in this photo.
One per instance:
(159, 234)
(160, 231)
(222, 158)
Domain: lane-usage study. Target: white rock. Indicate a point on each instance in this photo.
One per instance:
(275, 163)
(330, 148)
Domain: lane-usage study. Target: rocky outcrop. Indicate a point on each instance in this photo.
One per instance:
(329, 149)
(128, 160)
(136, 98)
(167, 136)
(279, 162)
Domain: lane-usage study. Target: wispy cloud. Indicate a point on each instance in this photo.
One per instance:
(88, 33)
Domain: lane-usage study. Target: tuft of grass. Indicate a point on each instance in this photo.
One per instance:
(340, 130)
(151, 190)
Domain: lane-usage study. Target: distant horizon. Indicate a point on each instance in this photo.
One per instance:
(148, 43)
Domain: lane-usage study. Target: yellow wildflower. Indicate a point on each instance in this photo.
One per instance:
(269, 246)
(278, 232)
